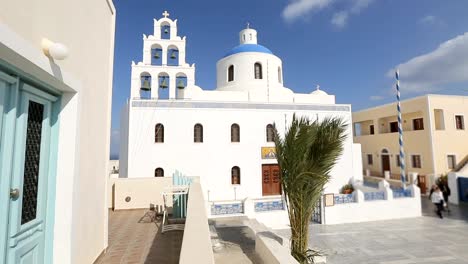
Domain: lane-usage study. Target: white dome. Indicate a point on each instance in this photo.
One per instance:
(318, 92)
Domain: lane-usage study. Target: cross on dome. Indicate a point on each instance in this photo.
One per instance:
(248, 25)
(165, 14)
(317, 87)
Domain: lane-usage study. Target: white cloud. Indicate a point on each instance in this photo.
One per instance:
(340, 19)
(297, 9)
(376, 97)
(448, 64)
(430, 20)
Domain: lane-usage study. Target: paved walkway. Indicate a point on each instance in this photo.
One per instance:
(135, 237)
(426, 239)
(237, 242)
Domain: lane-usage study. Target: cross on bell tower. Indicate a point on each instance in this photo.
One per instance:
(165, 14)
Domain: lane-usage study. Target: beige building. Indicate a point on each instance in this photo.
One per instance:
(434, 134)
(56, 64)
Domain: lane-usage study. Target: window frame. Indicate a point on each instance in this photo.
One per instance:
(234, 135)
(160, 135)
(454, 164)
(462, 122)
(390, 126)
(233, 176)
(371, 130)
(258, 76)
(198, 138)
(270, 136)
(230, 73)
(158, 169)
(417, 122)
(413, 163)
(370, 159)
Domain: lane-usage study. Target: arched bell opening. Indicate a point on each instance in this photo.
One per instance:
(165, 30)
(156, 54)
(145, 85)
(172, 56)
(163, 85)
(181, 83)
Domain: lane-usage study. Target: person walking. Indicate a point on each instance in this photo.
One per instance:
(445, 192)
(438, 200)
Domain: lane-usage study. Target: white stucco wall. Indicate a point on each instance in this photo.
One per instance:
(214, 158)
(85, 80)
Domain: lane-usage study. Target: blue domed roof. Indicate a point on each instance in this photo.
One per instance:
(248, 48)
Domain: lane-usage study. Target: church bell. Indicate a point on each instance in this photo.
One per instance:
(180, 84)
(156, 55)
(173, 55)
(163, 83)
(166, 30)
(146, 85)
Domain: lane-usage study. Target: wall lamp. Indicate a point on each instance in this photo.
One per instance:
(55, 50)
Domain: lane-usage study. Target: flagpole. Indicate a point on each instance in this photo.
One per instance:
(400, 132)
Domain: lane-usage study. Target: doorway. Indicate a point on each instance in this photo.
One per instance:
(271, 184)
(28, 140)
(385, 162)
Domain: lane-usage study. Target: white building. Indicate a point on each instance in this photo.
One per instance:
(222, 135)
(56, 64)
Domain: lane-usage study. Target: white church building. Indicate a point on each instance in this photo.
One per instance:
(225, 136)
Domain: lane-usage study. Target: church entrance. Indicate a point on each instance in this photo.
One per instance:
(271, 179)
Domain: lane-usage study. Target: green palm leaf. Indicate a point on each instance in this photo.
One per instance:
(306, 155)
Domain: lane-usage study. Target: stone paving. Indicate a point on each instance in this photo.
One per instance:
(238, 242)
(135, 238)
(426, 239)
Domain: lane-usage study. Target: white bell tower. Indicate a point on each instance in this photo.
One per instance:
(163, 65)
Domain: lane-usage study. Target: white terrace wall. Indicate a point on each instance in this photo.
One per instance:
(363, 211)
(196, 243)
(143, 192)
(453, 185)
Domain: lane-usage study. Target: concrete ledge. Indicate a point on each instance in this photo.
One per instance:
(196, 243)
(271, 251)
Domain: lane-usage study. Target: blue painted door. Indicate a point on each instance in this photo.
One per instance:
(27, 124)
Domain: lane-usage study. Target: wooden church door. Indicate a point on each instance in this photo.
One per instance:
(271, 184)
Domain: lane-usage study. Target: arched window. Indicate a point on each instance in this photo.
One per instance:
(235, 133)
(258, 71)
(165, 31)
(198, 133)
(235, 175)
(231, 73)
(270, 133)
(280, 80)
(159, 133)
(159, 172)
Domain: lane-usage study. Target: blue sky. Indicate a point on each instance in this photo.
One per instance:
(348, 47)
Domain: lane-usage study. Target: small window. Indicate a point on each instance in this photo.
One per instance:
(416, 161)
(159, 133)
(159, 172)
(258, 71)
(398, 160)
(451, 161)
(280, 79)
(371, 129)
(270, 133)
(370, 160)
(439, 119)
(231, 73)
(235, 133)
(198, 133)
(418, 124)
(235, 175)
(459, 122)
(393, 127)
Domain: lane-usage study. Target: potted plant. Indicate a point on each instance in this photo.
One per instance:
(347, 189)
